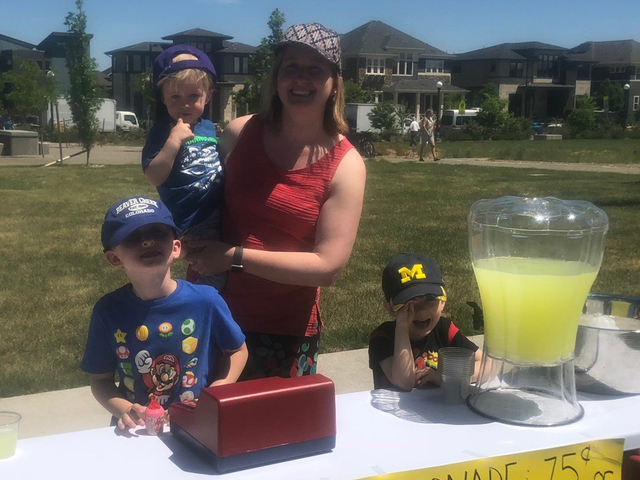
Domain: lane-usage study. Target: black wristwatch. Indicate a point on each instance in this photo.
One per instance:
(236, 263)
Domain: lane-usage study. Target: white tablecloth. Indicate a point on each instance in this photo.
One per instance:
(378, 432)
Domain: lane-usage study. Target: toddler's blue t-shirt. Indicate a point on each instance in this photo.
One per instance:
(166, 347)
(193, 190)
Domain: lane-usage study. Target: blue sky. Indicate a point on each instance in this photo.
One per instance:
(456, 26)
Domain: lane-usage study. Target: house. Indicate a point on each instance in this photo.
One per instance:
(536, 79)
(396, 66)
(617, 60)
(230, 59)
(12, 51)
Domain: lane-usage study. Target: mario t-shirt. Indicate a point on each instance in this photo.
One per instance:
(166, 347)
(425, 351)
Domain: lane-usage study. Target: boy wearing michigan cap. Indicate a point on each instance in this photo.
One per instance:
(404, 353)
(162, 336)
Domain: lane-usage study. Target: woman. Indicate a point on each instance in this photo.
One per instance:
(293, 199)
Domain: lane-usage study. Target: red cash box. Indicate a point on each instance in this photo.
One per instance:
(256, 422)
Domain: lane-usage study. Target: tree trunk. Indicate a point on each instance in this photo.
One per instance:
(88, 153)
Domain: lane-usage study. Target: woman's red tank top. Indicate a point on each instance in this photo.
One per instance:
(267, 208)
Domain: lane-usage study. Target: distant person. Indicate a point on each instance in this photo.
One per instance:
(403, 353)
(163, 337)
(180, 156)
(414, 128)
(427, 135)
(8, 124)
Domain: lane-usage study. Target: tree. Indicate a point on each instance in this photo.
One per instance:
(355, 93)
(143, 83)
(383, 116)
(613, 92)
(492, 112)
(84, 94)
(260, 65)
(583, 117)
(27, 90)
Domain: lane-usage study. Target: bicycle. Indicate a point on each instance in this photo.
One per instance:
(363, 141)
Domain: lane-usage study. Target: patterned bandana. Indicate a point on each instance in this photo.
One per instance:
(324, 41)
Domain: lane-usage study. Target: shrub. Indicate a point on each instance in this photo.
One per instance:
(583, 117)
(383, 116)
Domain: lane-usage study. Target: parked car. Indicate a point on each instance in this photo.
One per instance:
(126, 121)
(454, 120)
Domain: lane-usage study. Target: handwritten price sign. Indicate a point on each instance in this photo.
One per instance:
(598, 460)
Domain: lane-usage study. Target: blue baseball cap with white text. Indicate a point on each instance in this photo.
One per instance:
(126, 216)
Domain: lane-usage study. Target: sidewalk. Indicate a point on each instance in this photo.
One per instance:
(75, 409)
(130, 155)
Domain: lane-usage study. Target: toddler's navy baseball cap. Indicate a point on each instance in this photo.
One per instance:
(411, 275)
(164, 64)
(127, 215)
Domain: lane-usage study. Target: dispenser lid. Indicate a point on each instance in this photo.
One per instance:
(541, 214)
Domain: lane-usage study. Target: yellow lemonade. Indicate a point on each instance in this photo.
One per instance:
(8, 440)
(532, 306)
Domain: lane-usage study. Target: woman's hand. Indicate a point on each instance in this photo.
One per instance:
(209, 257)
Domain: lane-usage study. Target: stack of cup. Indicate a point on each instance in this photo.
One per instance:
(456, 367)
(8, 433)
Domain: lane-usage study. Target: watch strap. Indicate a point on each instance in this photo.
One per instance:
(236, 262)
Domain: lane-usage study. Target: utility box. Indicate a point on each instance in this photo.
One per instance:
(19, 142)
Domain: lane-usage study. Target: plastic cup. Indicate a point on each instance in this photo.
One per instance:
(8, 433)
(456, 367)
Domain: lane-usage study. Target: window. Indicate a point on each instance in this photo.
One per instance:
(516, 69)
(433, 66)
(582, 72)
(127, 66)
(617, 69)
(548, 66)
(241, 65)
(636, 102)
(404, 65)
(637, 75)
(375, 66)
(137, 63)
(493, 67)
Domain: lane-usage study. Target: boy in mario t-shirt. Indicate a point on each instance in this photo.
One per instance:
(166, 339)
(404, 353)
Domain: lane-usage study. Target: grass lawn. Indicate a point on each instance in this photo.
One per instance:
(567, 151)
(53, 270)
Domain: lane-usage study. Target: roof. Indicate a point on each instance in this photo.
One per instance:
(379, 38)
(508, 51)
(104, 80)
(423, 85)
(236, 47)
(20, 43)
(197, 32)
(142, 47)
(54, 38)
(615, 52)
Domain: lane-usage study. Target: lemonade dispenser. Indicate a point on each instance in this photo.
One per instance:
(535, 260)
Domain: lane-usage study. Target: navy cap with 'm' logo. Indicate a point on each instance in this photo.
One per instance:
(411, 275)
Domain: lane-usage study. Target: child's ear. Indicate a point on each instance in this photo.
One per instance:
(113, 259)
(387, 307)
(177, 248)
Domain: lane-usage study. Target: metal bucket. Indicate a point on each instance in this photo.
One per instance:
(607, 352)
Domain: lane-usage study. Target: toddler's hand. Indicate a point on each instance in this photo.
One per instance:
(181, 132)
(133, 417)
